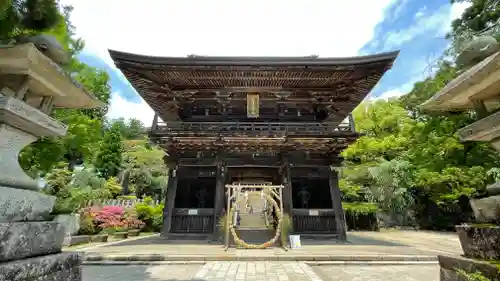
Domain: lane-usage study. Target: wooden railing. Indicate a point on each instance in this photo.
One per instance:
(249, 128)
(192, 220)
(314, 221)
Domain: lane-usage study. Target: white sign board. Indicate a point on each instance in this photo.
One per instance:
(295, 241)
(193, 212)
(313, 213)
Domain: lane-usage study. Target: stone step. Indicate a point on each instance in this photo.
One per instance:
(252, 220)
(255, 236)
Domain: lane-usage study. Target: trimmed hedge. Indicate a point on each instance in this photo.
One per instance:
(361, 216)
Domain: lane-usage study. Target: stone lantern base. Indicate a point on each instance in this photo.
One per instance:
(30, 241)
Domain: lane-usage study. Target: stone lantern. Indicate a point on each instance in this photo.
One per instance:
(478, 88)
(32, 84)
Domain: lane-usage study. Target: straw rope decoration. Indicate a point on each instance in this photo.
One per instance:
(264, 245)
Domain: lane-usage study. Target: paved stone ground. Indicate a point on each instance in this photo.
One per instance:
(261, 271)
(446, 242)
(378, 273)
(139, 273)
(257, 271)
(361, 243)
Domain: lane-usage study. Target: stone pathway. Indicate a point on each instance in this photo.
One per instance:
(375, 244)
(384, 243)
(261, 271)
(256, 271)
(378, 273)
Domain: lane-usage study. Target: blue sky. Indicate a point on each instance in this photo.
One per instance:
(331, 29)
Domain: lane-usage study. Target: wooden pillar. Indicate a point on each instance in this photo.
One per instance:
(219, 194)
(337, 205)
(352, 124)
(154, 126)
(287, 190)
(169, 205)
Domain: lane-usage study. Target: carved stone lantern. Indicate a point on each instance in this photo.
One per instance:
(31, 85)
(476, 88)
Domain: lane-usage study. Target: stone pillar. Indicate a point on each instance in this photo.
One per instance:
(169, 205)
(30, 240)
(220, 188)
(337, 205)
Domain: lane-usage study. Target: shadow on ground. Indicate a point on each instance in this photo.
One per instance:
(141, 273)
(353, 240)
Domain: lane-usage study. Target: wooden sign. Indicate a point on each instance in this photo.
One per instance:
(313, 213)
(192, 212)
(253, 105)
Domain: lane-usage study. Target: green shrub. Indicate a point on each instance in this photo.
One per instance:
(70, 202)
(360, 208)
(361, 216)
(476, 276)
(111, 230)
(151, 215)
(87, 225)
(113, 187)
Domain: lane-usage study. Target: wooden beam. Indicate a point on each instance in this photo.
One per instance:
(259, 161)
(229, 89)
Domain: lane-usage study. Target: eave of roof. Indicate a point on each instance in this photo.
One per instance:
(480, 82)
(118, 56)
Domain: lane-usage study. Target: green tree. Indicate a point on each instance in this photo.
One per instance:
(84, 126)
(146, 168)
(108, 161)
(136, 128)
(22, 17)
(58, 180)
(392, 181)
(481, 16)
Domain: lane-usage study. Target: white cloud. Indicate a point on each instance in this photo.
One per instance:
(227, 27)
(396, 92)
(438, 23)
(420, 69)
(398, 10)
(123, 108)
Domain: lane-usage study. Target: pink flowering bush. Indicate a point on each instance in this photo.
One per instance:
(112, 211)
(109, 219)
